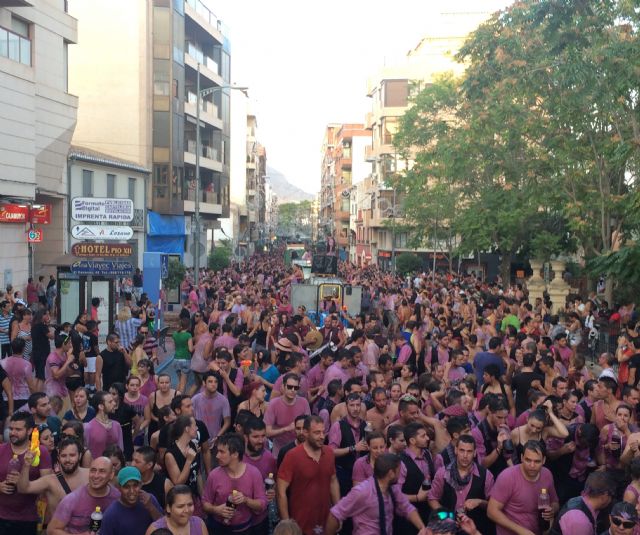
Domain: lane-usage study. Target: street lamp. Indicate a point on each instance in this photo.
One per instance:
(199, 95)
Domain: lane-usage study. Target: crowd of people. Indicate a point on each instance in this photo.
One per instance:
(447, 405)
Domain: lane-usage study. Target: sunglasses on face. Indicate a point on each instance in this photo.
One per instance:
(446, 515)
(293, 387)
(625, 524)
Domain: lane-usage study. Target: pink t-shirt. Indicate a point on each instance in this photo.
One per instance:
(520, 497)
(54, 387)
(18, 370)
(362, 470)
(281, 414)
(75, 508)
(98, 437)
(219, 485)
(21, 507)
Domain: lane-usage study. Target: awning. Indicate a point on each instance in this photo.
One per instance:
(166, 233)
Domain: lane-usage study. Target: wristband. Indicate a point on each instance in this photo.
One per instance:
(352, 449)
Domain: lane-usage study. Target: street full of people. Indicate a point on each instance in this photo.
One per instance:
(447, 405)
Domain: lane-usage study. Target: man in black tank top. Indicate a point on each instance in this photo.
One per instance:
(155, 483)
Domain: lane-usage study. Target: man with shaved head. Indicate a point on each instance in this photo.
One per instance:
(73, 514)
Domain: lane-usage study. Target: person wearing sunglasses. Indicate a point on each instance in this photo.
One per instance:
(282, 412)
(623, 519)
(579, 514)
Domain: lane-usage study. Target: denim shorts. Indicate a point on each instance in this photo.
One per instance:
(182, 366)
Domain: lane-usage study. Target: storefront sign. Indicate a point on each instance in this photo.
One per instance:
(97, 232)
(101, 209)
(102, 250)
(104, 268)
(35, 236)
(40, 214)
(14, 213)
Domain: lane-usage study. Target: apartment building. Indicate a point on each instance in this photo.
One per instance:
(343, 165)
(377, 206)
(36, 124)
(137, 74)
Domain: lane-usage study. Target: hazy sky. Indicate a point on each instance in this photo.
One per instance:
(306, 63)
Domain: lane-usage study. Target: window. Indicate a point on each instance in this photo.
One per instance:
(65, 66)
(20, 26)
(396, 93)
(132, 189)
(87, 183)
(345, 204)
(111, 186)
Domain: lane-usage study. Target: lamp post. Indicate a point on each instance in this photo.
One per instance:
(199, 95)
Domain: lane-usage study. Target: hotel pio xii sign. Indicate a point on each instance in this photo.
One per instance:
(103, 210)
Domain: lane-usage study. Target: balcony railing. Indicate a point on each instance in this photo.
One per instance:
(201, 57)
(206, 106)
(205, 12)
(205, 150)
(15, 47)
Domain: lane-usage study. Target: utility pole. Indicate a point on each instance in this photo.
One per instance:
(196, 244)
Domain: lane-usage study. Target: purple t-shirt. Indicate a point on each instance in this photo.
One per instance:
(335, 371)
(443, 475)
(219, 485)
(266, 464)
(18, 370)
(577, 523)
(280, 414)
(98, 437)
(520, 497)
(196, 525)
(75, 509)
(211, 410)
(362, 470)
(361, 504)
(55, 387)
(21, 507)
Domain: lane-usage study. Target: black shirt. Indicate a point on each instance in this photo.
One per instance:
(163, 437)
(520, 385)
(634, 362)
(124, 415)
(3, 403)
(41, 345)
(114, 368)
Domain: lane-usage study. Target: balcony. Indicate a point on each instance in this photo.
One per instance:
(208, 110)
(342, 215)
(210, 201)
(208, 67)
(209, 157)
(369, 154)
(197, 11)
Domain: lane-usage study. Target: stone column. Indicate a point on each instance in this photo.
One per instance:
(558, 288)
(535, 284)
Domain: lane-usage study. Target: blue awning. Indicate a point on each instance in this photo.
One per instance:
(166, 225)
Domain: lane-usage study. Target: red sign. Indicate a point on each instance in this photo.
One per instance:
(40, 214)
(101, 250)
(35, 236)
(14, 213)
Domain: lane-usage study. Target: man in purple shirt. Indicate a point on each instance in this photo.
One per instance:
(232, 475)
(315, 376)
(340, 368)
(212, 408)
(296, 364)
(463, 484)
(346, 437)
(102, 431)
(226, 340)
(255, 434)
(371, 505)
(404, 350)
(580, 514)
(513, 505)
(282, 412)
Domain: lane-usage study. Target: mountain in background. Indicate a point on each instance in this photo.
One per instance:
(286, 191)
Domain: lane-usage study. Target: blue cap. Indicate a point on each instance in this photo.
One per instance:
(128, 473)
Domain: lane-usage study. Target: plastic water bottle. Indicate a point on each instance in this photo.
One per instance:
(14, 465)
(544, 504)
(96, 521)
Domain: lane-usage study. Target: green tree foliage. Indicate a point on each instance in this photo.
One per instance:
(543, 126)
(220, 256)
(408, 263)
(294, 218)
(176, 274)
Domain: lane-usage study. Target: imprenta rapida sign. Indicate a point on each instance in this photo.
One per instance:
(101, 209)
